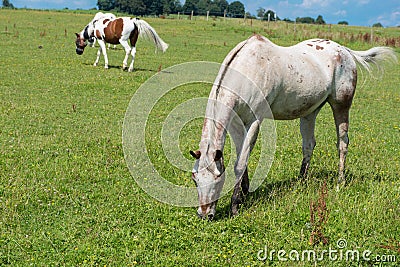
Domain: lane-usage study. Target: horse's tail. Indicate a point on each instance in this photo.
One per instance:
(373, 56)
(147, 32)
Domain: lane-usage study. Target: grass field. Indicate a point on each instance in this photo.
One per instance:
(67, 197)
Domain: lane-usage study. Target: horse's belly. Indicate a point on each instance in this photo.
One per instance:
(294, 105)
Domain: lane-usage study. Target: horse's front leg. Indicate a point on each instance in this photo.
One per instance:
(242, 179)
(102, 49)
(98, 57)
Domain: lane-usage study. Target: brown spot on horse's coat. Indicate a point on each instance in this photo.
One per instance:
(338, 57)
(113, 31)
(310, 45)
(259, 37)
(134, 36)
(204, 209)
(319, 47)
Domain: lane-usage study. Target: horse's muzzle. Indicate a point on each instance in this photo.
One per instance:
(79, 51)
(209, 213)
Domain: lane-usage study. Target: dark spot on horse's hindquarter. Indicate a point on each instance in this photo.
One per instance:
(319, 47)
(338, 57)
(259, 37)
(310, 45)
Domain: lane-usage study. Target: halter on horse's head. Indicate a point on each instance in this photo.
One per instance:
(80, 43)
(83, 37)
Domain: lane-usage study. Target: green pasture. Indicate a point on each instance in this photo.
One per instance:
(67, 197)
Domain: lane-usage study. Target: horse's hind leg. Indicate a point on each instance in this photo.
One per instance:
(133, 53)
(341, 115)
(127, 52)
(133, 39)
(307, 127)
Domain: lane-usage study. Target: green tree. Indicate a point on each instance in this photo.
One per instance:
(222, 5)
(174, 6)
(378, 25)
(106, 5)
(203, 6)
(236, 9)
(190, 5)
(343, 23)
(320, 20)
(7, 4)
(137, 7)
(271, 15)
(260, 12)
(308, 20)
(155, 8)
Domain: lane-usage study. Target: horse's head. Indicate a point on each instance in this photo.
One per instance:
(209, 176)
(80, 43)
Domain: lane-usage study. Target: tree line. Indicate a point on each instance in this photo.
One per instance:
(164, 7)
(271, 15)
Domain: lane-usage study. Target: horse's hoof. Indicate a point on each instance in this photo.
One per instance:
(130, 69)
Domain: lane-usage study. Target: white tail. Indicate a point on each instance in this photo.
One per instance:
(374, 56)
(147, 32)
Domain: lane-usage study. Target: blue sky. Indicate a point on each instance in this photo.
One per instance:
(355, 12)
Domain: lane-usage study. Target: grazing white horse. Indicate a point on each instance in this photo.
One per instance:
(295, 82)
(118, 31)
(100, 15)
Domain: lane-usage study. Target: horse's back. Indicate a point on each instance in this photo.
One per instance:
(295, 80)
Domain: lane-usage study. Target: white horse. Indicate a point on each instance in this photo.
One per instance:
(100, 15)
(295, 82)
(118, 31)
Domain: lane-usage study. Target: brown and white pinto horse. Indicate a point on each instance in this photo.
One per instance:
(118, 31)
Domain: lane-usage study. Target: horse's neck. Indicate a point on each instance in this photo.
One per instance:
(213, 136)
(85, 33)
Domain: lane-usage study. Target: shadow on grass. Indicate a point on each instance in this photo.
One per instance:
(269, 192)
(120, 67)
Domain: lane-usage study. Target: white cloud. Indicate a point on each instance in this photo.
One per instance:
(314, 3)
(340, 13)
(395, 15)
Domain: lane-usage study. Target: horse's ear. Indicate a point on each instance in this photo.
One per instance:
(195, 154)
(77, 34)
(218, 155)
